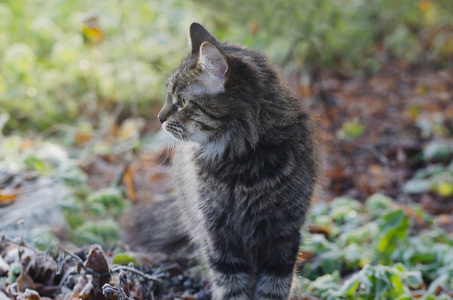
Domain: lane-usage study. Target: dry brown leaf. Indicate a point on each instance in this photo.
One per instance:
(83, 288)
(187, 296)
(425, 5)
(304, 90)
(26, 144)
(96, 260)
(304, 256)
(82, 137)
(254, 28)
(98, 263)
(7, 197)
(24, 281)
(129, 183)
(319, 229)
(31, 295)
(410, 213)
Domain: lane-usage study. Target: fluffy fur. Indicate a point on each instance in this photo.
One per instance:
(244, 172)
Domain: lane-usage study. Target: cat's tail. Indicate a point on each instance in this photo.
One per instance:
(154, 227)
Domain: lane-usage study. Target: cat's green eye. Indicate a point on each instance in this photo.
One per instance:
(182, 100)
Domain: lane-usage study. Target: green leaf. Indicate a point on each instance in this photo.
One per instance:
(376, 204)
(394, 227)
(439, 282)
(106, 232)
(124, 259)
(36, 164)
(14, 271)
(437, 151)
(416, 186)
(106, 200)
(350, 131)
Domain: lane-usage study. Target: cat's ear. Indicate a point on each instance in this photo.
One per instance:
(214, 63)
(197, 35)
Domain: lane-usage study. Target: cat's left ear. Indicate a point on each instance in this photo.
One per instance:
(197, 35)
(214, 64)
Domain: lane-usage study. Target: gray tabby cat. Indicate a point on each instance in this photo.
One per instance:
(244, 173)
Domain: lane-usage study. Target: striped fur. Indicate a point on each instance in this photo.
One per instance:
(246, 168)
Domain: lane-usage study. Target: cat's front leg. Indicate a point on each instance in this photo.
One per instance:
(229, 272)
(276, 267)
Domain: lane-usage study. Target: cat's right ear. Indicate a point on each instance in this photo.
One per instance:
(197, 35)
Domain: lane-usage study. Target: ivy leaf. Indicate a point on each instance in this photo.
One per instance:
(394, 228)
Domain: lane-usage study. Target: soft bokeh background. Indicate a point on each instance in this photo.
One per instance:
(63, 61)
(81, 83)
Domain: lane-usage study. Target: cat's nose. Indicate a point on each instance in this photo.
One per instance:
(164, 113)
(162, 117)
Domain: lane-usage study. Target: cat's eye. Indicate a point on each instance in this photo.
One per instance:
(182, 100)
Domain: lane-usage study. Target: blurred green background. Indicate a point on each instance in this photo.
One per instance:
(66, 61)
(81, 82)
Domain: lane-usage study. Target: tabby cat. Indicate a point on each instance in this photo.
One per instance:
(244, 172)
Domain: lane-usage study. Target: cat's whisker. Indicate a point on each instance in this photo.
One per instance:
(186, 135)
(169, 148)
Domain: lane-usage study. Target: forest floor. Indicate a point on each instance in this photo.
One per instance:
(388, 134)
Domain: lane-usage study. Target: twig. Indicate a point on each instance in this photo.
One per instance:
(133, 270)
(33, 187)
(63, 264)
(65, 278)
(78, 259)
(117, 289)
(379, 155)
(123, 281)
(9, 223)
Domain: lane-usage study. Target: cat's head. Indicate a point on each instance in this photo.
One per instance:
(213, 98)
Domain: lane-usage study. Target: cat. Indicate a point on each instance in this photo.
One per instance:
(244, 171)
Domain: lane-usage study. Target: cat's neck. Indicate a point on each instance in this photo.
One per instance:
(225, 148)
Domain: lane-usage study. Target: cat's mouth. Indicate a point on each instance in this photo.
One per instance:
(188, 133)
(175, 130)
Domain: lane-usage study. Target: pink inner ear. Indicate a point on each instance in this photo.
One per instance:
(220, 71)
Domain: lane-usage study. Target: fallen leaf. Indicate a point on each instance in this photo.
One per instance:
(319, 229)
(24, 281)
(82, 137)
(254, 28)
(92, 31)
(424, 5)
(83, 289)
(98, 263)
(26, 144)
(410, 213)
(129, 183)
(304, 256)
(31, 295)
(7, 197)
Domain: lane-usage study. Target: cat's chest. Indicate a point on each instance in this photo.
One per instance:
(223, 184)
